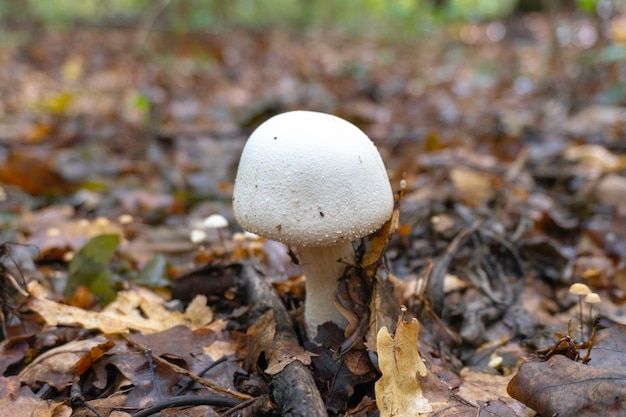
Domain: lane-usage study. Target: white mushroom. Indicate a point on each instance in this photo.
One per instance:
(314, 182)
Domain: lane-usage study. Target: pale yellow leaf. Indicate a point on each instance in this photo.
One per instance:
(398, 391)
(139, 309)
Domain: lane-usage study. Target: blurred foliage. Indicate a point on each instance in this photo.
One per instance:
(399, 17)
(89, 268)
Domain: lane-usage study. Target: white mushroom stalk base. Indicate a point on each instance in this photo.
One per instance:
(322, 267)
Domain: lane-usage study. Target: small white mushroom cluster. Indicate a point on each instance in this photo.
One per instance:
(314, 182)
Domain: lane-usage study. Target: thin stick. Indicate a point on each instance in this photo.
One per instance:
(188, 374)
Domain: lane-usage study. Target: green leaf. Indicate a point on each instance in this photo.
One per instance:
(153, 274)
(90, 268)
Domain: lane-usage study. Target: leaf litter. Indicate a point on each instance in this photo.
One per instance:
(512, 194)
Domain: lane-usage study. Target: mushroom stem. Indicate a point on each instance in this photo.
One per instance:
(580, 309)
(322, 267)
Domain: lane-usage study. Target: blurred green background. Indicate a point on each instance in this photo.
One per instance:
(373, 17)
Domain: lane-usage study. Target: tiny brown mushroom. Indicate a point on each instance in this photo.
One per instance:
(591, 299)
(580, 290)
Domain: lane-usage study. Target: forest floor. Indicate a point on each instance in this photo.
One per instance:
(117, 144)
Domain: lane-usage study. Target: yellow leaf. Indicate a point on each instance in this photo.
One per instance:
(139, 310)
(57, 103)
(398, 391)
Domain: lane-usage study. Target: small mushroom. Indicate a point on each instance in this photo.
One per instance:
(580, 290)
(314, 182)
(591, 299)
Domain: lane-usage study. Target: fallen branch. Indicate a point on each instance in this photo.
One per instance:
(293, 388)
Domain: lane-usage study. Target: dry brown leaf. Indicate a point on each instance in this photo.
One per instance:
(95, 353)
(398, 391)
(139, 309)
(473, 186)
(595, 158)
(259, 337)
(61, 314)
(57, 367)
(279, 351)
(198, 314)
(612, 190)
(562, 386)
(478, 388)
(33, 174)
(16, 401)
(594, 118)
(28, 404)
(380, 239)
(283, 352)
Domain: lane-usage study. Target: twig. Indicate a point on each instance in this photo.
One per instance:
(189, 374)
(201, 373)
(185, 400)
(257, 406)
(436, 277)
(78, 400)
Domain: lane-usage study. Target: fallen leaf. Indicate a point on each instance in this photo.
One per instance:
(611, 190)
(480, 387)
(13, 350)
(283, 352)
(398, 391)
(90, 267)
(95, 353)
(24, 402)
(140, 310)
(279, 351)
(595, 158)
(473, 186)
(33, 174)
(57, 367)
(561, 386)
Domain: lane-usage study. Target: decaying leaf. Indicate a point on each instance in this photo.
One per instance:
(18, 402)
(258, 337)
(90, 268)
(95, 353)
(611, 190)
(33, 173)
(285, 351)
(57, 367)
(139, 309)
(398, 391)
(595, 158)
(561, 386)
(380, 239)
(279, 351)
(473, 186)
(480, 387)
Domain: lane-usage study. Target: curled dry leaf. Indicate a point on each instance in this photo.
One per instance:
(278, 350)
(283, 353)
(398, 391)
(57, 367)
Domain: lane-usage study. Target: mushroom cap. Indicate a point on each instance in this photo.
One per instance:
(311, 179)
(592, 298)
(579, 289)
(215, 221)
